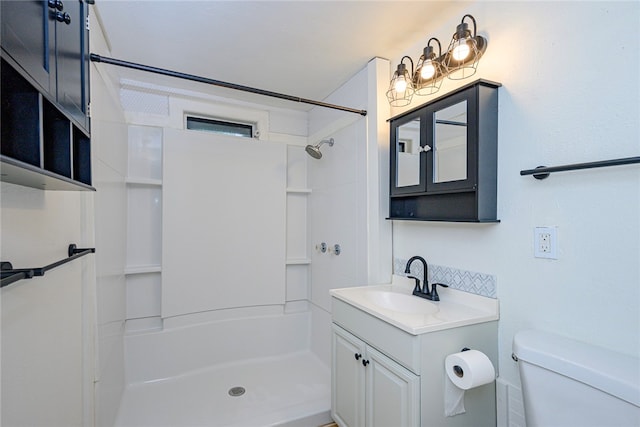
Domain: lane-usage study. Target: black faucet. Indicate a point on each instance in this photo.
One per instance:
(425, 270)
(423, 292)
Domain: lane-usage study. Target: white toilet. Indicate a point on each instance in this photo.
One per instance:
(567, 383)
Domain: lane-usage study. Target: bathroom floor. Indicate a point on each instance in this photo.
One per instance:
(290, 390)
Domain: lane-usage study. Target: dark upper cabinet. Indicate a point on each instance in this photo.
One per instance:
(45, 94)
(444, 157)
(48, 42)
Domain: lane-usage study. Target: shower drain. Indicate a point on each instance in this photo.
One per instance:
(236, 391)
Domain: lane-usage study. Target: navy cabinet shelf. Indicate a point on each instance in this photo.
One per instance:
(17, 172)
(39, 139)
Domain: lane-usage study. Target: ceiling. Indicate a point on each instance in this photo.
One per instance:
(305, 49)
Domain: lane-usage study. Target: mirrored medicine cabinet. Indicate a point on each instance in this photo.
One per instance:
(444, 157)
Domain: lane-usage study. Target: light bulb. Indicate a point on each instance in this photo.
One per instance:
(461, 51)
(401, 85)
(428, 70)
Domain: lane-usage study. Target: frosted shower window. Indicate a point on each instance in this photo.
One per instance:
(220, 127)
(408, 146)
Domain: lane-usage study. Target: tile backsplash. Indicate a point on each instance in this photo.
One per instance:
(463, 280)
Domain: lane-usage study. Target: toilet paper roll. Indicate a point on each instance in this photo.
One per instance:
(469, 369)
(453, 399)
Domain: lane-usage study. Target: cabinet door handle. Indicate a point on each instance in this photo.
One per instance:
(357, 356)
(365, 362)
(55, 4)
(63, 17)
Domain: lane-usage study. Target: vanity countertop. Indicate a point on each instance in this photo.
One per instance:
(394, 304)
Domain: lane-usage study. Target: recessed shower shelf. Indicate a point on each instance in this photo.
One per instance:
(144, 181)
(299, 190)
(143, 269)
(298, 261)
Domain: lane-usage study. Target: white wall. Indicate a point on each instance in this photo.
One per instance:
(570, 94)
(56, 341)
(62, 354)
(47, 322)
(109, 144)
(345, 208)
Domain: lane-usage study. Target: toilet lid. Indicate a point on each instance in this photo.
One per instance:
(614, 373)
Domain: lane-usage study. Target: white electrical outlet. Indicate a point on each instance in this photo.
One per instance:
(545, 242)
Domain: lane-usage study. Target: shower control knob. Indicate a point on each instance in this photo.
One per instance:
(55, 4)
(63, 17)
(357, 356)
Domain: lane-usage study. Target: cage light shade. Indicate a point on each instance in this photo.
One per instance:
(429, 73)
(464, 52)
(401, 87)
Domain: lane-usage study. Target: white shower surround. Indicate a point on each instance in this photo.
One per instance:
(172, 362)
(236, 328)
(224, 222)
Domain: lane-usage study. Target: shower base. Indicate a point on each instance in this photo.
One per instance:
(289, 390)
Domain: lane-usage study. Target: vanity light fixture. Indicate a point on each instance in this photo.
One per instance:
(429, 71)
(458, 62)
(464, 51)
(401, 88)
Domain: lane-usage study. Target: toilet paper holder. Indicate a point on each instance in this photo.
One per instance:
(457, 369)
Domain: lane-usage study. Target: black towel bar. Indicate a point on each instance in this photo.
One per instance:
(542, 172)
(11, 275)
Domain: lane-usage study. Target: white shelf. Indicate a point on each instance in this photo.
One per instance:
(143, 269)
(144, 181)
(299, 190)
(298, 261)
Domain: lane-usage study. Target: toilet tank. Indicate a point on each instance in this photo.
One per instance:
(571, 383)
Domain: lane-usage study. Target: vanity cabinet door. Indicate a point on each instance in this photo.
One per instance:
(347, 379)
(368, 388)
(393, 393)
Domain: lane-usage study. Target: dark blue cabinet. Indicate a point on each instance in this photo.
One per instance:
(45, 94)
(48, 42)
(444, 158)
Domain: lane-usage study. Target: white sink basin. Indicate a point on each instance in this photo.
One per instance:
(394, 304)
(402, 303)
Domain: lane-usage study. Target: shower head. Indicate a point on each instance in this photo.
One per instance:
(314, 150)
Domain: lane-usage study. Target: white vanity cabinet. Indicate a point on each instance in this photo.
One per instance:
(368, 388)
(388, 366)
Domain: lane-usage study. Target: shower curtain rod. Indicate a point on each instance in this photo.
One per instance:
(97, 58)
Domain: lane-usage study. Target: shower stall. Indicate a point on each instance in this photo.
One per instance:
(217, 286)
(228, 313)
